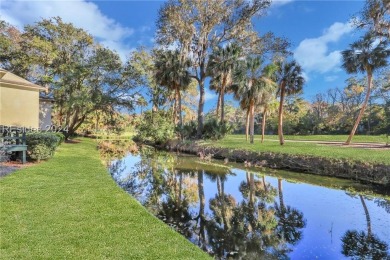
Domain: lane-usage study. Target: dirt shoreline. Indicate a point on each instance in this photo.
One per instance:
(374, 173)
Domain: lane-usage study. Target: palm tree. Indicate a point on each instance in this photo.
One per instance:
(171, 72)
(269, 105)
(252, 81)
(266, 99)
(220, 67)
(365, 55)
(290, 82)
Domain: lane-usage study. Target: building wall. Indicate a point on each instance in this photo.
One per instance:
(45, 108)
(19, 106)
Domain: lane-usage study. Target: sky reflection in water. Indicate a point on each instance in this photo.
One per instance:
(230, 212)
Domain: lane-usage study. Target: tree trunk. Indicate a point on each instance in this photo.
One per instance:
(264, 184)
(200, 109)
(202, 203)
(72, 128)
(263, 124)
(282, 208)
(97, 122)
(368, 219)
(222, 104)
(180, 188)
(218, 105)
(180, 112)
(252, 121)
(251, 189)
(280, 190)
(369, 77)
(226, 225)
(247, 124)
(175, 109)
(280, 125)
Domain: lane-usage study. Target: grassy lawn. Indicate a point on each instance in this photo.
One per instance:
(353, 153)
(69, 207)
(325, 138)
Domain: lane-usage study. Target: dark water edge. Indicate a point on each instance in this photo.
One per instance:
(366, 172)
(237, 212)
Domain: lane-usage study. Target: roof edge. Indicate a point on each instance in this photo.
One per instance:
(20, 84)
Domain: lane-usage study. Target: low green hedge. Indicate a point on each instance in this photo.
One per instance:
(61, 137)
(42, 145)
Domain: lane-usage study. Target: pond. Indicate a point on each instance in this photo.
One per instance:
(234, 212)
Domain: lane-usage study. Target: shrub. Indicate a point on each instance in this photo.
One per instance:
(41, 146)
(212, 129)
(156, 127)
(61, 137)
(188, 130)
(40, 152)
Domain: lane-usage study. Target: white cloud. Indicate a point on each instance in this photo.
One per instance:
(314, 55)
(82, 14)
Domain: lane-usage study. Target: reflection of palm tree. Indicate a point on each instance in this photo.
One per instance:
(222, 204)
(368, 218)
(360, 245)
(291, 220)
(201, 216)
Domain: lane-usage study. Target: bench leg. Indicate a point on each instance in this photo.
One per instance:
(23, 157)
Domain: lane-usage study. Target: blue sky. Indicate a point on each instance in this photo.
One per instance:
(318, 30)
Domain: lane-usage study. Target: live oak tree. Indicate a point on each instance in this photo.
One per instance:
(82, 76)
(12, 57)
(195, 27)
(142, 61)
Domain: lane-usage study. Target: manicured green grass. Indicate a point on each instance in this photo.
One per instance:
(325, 138)
(70, 208)
(315, 149)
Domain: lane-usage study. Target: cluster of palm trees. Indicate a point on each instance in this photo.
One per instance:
(255, 84)
(251, 81)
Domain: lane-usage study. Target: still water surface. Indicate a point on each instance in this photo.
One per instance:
(248, 214)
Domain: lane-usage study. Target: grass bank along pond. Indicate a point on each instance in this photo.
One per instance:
(235, 212)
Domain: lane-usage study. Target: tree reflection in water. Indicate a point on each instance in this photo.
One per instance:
(362, 245)
(245, 227)
(291, 221)
(229, 215)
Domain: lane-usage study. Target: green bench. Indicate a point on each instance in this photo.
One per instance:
(20, 145)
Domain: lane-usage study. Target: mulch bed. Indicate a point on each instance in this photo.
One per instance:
(11, 166)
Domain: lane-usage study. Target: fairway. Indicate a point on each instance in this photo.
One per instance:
(322, 138)
(297, 145)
